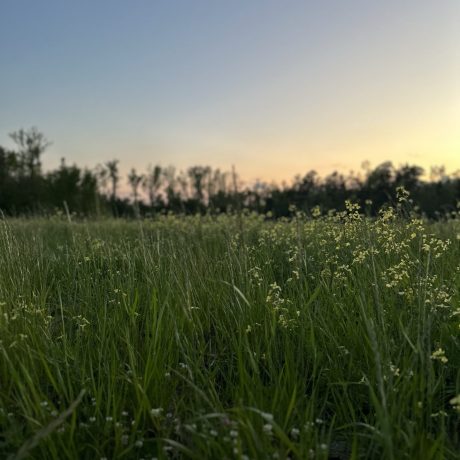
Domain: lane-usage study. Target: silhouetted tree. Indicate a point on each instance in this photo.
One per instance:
(169, 177)
(152, 183)
(135, 181)
(198, 176)
(378, 185)
(63, 186)
(409, 177)
(31, 145)
(113, 175)
(89, 199)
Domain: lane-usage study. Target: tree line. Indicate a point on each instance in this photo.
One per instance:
(25, 189)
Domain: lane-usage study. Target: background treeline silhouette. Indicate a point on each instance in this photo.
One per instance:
(25, 189)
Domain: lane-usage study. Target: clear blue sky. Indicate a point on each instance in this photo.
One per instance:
(274, 87)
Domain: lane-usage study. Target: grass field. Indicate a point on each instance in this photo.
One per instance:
(231, 337)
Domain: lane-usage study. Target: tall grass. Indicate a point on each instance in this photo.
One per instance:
(230, 337)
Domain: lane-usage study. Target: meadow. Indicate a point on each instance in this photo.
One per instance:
(231, 337)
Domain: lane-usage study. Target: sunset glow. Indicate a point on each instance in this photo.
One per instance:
(274, 90)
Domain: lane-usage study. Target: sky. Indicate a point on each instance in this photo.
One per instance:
(276, 88)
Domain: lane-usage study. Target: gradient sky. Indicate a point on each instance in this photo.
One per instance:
(275, 87)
